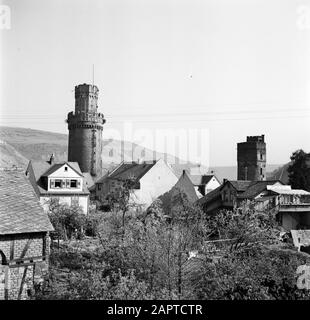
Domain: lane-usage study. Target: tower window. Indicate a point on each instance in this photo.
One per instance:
(261, 170)
(261, 156)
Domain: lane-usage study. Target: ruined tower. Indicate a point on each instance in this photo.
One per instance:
(85, 126)
(251, 157)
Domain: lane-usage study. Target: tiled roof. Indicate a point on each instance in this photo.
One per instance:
(43, 168)
(240, 185)
(74, 165)
(20, 210)
(211, 195)
(38, 167)
(185, 185)
(256, 188)
(128, 170)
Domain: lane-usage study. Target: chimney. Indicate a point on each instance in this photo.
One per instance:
(224, 181)
(52, 158)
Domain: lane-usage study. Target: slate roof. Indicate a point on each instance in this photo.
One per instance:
(38, 169)
(185, 185)
(256, 188)
(211, 195)
(240, 185)
(74, 165)
(20, 210)
(44, 168)
(128, 170)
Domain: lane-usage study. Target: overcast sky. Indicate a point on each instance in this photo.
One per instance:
(229, 67)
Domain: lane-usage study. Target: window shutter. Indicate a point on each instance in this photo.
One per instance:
(67, 183)
(79, 183)
(53, 183)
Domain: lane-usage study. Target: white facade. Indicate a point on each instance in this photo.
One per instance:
(66, 184)
(157, 181)
(65, 179)
(212, 184)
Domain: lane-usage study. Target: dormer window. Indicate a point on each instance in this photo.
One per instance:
(73, 184)
(58, 183)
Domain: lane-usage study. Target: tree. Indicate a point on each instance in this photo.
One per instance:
(66, 220)
(120, 199)
(299, 170)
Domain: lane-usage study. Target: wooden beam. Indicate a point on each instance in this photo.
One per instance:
(12, 245)
(22, 283)
(25, 248)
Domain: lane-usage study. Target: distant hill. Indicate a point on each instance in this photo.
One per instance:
(281, 173)
(10, 158)
(39, 145)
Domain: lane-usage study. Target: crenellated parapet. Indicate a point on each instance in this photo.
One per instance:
(85, 120)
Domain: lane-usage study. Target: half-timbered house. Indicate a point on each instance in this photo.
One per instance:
(24, 237)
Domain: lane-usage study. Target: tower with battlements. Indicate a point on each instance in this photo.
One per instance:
(251, 157)
(85, 126)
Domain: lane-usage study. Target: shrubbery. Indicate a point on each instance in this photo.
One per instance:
(145, 255)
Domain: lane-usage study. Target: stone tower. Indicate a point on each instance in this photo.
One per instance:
(251, 157)
(85, 126)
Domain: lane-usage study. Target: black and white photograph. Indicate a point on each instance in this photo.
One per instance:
(155, 151)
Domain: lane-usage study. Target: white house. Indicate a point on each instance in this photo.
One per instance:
(204, 183)
(63, 182)
(151, 179)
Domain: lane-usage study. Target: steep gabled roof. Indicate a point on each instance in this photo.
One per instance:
(54, 167)
(20, 210)
(211, 195)
(256, 188)
(240, 185)
(185, 185)
(38, 168)
(128, 170)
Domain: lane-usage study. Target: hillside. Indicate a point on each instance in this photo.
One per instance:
(9, 157)
(281, 173)
(39, 145)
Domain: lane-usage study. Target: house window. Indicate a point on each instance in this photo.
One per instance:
(66, 168)
(58, 183)
(73, 183)
(261, 156)
(261, 170)
(98, 186)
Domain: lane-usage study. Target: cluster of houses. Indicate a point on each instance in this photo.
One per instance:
(66, 183)
(25, 195)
